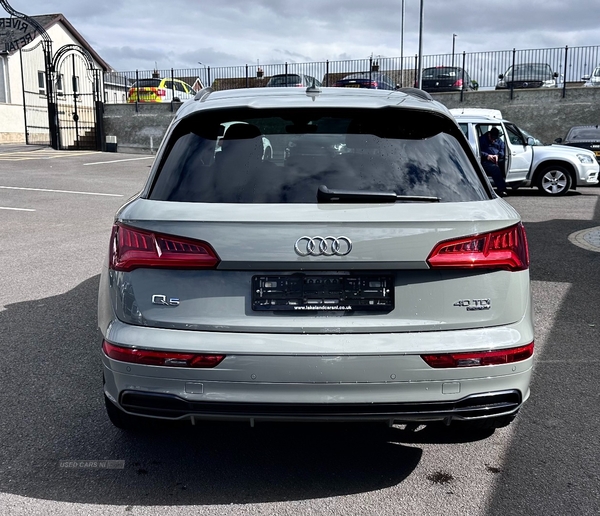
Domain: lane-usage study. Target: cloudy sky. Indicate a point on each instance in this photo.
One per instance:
(139, 34)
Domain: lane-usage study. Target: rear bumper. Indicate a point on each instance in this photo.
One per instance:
(287, 388)
(168, 406)
(362, 377)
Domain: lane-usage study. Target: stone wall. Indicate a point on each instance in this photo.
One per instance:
(542, 112)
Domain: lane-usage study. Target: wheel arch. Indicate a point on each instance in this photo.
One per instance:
(543, 165)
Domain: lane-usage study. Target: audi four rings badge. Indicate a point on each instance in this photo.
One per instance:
(323, 246)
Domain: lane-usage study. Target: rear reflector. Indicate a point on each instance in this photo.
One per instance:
(160, 358)
(504, 249)
(479, 358)
(131, 248)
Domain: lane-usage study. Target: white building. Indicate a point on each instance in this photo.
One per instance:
(78, 82)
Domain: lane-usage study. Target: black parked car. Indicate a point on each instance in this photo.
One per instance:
(372, 80)
(446, 78)
(528, 75)
(584, 137)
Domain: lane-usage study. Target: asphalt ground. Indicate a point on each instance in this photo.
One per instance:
(56, 211)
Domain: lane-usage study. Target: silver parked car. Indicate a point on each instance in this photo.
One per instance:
(365, 272)
(296, 80)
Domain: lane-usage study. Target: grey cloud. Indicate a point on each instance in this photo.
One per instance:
(238, 32)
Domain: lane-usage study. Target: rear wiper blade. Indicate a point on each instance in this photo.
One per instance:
(324, 194)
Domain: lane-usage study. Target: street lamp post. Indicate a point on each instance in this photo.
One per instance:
(402, 48)
(453, 43)
(205, 74)
(420, 69)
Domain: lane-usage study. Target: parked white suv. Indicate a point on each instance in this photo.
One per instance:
(593, 79)
(554, 169)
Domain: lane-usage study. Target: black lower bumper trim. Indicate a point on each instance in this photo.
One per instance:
(173, 407)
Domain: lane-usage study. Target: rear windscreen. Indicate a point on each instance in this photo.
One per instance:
(283, 156)
(439, 73)
(584, 133)
(284, 80)
(147, 83)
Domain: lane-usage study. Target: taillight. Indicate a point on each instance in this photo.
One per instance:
(132, 248)
(161, 358)
(504, 249)
(374, 84)
(479, 358)
(458, 83)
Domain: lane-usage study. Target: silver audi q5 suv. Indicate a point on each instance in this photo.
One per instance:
(364, 271)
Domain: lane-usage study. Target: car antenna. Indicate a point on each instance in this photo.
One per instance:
(313, 91)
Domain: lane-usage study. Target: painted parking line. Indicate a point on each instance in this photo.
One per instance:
(59, 191)
(42, 154)
(15, 209)
(119, 160)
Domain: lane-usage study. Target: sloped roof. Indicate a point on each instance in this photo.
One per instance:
(232, 83)
(21, 33)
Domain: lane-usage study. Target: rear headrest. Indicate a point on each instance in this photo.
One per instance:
(241, 132)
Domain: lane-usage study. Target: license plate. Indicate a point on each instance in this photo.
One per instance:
(323, 292)
(597, 153)
(352, 85)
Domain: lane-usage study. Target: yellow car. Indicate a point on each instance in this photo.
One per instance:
(160, 90)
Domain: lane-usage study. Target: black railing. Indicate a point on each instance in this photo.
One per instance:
(551, 67)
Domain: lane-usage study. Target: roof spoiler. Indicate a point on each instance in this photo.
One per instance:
(203, 93)
(416, 92)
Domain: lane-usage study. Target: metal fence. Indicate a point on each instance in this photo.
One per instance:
(567, 64)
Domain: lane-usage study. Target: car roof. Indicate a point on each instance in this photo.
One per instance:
(363, 74)
(326, 97)
(442, 67)
(477, 114)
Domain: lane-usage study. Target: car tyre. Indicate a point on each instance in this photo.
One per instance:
(121, 419)
(554, 180)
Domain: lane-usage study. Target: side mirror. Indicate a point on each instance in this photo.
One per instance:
(530, 141)
(558, 140)
(501, 76)
(555, 75)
